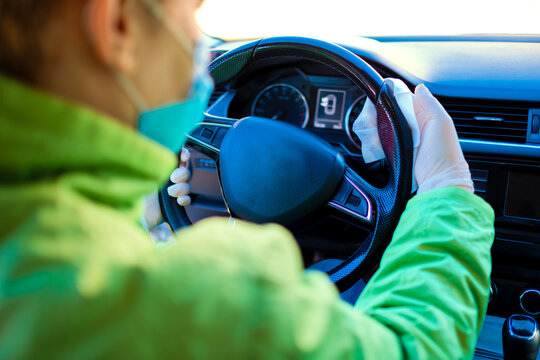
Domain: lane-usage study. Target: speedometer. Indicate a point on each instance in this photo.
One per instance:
(282, 102)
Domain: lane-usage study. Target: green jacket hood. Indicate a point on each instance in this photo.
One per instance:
(43, 137)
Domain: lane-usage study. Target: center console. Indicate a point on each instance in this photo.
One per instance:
(512, 188)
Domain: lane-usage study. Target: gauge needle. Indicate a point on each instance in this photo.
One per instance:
(279, 115)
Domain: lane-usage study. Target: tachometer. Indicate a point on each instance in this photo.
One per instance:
(282, 102)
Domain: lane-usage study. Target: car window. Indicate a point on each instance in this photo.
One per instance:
(236, 19)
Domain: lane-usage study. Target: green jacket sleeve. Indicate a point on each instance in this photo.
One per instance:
(433, 283)
(427, 301)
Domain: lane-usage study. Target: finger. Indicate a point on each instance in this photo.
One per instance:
(185, 155)
(180, 175)
(419, 104)
(422, 90)
(179, 190)
(426, 107)
(425, 100)
(184, 200)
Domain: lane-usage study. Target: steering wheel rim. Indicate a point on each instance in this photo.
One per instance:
(385, 205)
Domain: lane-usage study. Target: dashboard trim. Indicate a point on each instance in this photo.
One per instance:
(203, 144)
(221, 105)
(500, 148)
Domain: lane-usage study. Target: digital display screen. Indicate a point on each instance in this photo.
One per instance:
(523, 196)
(330, 109)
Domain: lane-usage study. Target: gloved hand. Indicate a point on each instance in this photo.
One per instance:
(438, 158)
(440, 161)
(180, 190)
(180, 177)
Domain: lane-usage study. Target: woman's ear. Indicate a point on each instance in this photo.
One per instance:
(109, 25)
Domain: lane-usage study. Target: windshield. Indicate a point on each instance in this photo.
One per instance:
(240, 19)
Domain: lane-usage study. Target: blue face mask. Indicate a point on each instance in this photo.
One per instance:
(169, 124)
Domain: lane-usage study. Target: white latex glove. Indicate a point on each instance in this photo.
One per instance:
(180, 190)
(440, 161)
(365, 127)
(180, 177)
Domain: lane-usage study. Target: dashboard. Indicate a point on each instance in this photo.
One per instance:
(491, 88)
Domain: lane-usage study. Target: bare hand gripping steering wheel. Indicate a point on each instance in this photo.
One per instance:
(307, 173)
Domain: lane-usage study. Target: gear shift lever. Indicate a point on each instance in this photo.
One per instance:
(521, 338)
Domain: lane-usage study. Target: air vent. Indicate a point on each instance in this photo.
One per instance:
(214, 54)
(215, 95)
(489, 120)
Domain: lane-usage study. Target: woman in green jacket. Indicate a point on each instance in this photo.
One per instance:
(79, 277)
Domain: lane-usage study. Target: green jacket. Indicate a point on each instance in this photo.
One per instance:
(81, 279)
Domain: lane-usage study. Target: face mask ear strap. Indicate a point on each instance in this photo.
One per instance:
(159, 13)
(131, 91)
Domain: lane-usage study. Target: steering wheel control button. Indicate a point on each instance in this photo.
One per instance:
(357, 203)
(351, 200)
(207, 133)
(208, 137)
(530, 301)
(354, 201)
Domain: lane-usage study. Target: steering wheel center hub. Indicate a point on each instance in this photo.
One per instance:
(274, 172)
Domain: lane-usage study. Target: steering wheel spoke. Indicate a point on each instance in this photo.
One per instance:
(209, 135)
(353, 201)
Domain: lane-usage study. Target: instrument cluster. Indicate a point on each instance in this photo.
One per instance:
(327, 105)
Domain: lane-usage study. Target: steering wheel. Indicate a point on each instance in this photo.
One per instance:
(271, 171)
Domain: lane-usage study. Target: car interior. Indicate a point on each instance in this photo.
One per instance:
(490, 86)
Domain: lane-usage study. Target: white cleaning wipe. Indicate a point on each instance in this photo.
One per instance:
(365, 126)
